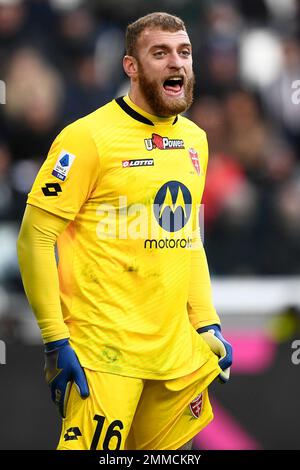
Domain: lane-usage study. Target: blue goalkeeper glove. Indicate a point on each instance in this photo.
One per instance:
(213, 337)
(62, 367)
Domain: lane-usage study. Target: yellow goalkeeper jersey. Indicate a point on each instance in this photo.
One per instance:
(131, 185)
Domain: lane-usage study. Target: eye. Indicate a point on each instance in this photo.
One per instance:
(159, 54)
(186, 52)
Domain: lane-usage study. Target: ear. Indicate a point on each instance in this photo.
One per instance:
(130, 66)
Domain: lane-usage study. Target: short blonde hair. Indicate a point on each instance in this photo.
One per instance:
(159, 20)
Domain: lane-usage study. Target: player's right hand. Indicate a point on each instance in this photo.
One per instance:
(62, 367)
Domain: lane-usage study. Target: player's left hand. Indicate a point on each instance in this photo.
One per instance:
(62, 368)
(213, 337)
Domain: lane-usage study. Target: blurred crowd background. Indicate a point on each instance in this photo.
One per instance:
(61, 59)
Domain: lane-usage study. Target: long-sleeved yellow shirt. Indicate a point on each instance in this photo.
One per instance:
(121, 191)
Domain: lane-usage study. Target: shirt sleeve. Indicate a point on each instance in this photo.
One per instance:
(37, 238)
(200, 302)
(69, 174)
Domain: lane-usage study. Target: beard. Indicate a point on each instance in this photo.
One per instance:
(165, 105)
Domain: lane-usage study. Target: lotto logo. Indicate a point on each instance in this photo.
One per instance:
(51, 189)
(72, 434)
(135, 163)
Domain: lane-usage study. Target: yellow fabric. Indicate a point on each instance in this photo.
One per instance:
(200, 307)
(122, 405)
(38, 234)
(132, 291)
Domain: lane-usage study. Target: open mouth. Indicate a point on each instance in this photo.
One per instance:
(173, 86)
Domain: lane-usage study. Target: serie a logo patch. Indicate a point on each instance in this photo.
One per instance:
(196, 406)
(63, 165)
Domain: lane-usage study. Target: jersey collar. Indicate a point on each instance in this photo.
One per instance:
(139, 114)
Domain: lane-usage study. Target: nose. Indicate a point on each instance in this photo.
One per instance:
(175, 61)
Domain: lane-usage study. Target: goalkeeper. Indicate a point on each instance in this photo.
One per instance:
(132, 340)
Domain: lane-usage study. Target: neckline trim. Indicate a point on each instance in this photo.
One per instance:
(135, 114)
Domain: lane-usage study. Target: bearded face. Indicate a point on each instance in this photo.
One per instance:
(161, 72)
(169, 95)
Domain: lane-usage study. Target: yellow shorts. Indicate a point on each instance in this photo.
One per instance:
(135, 414)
